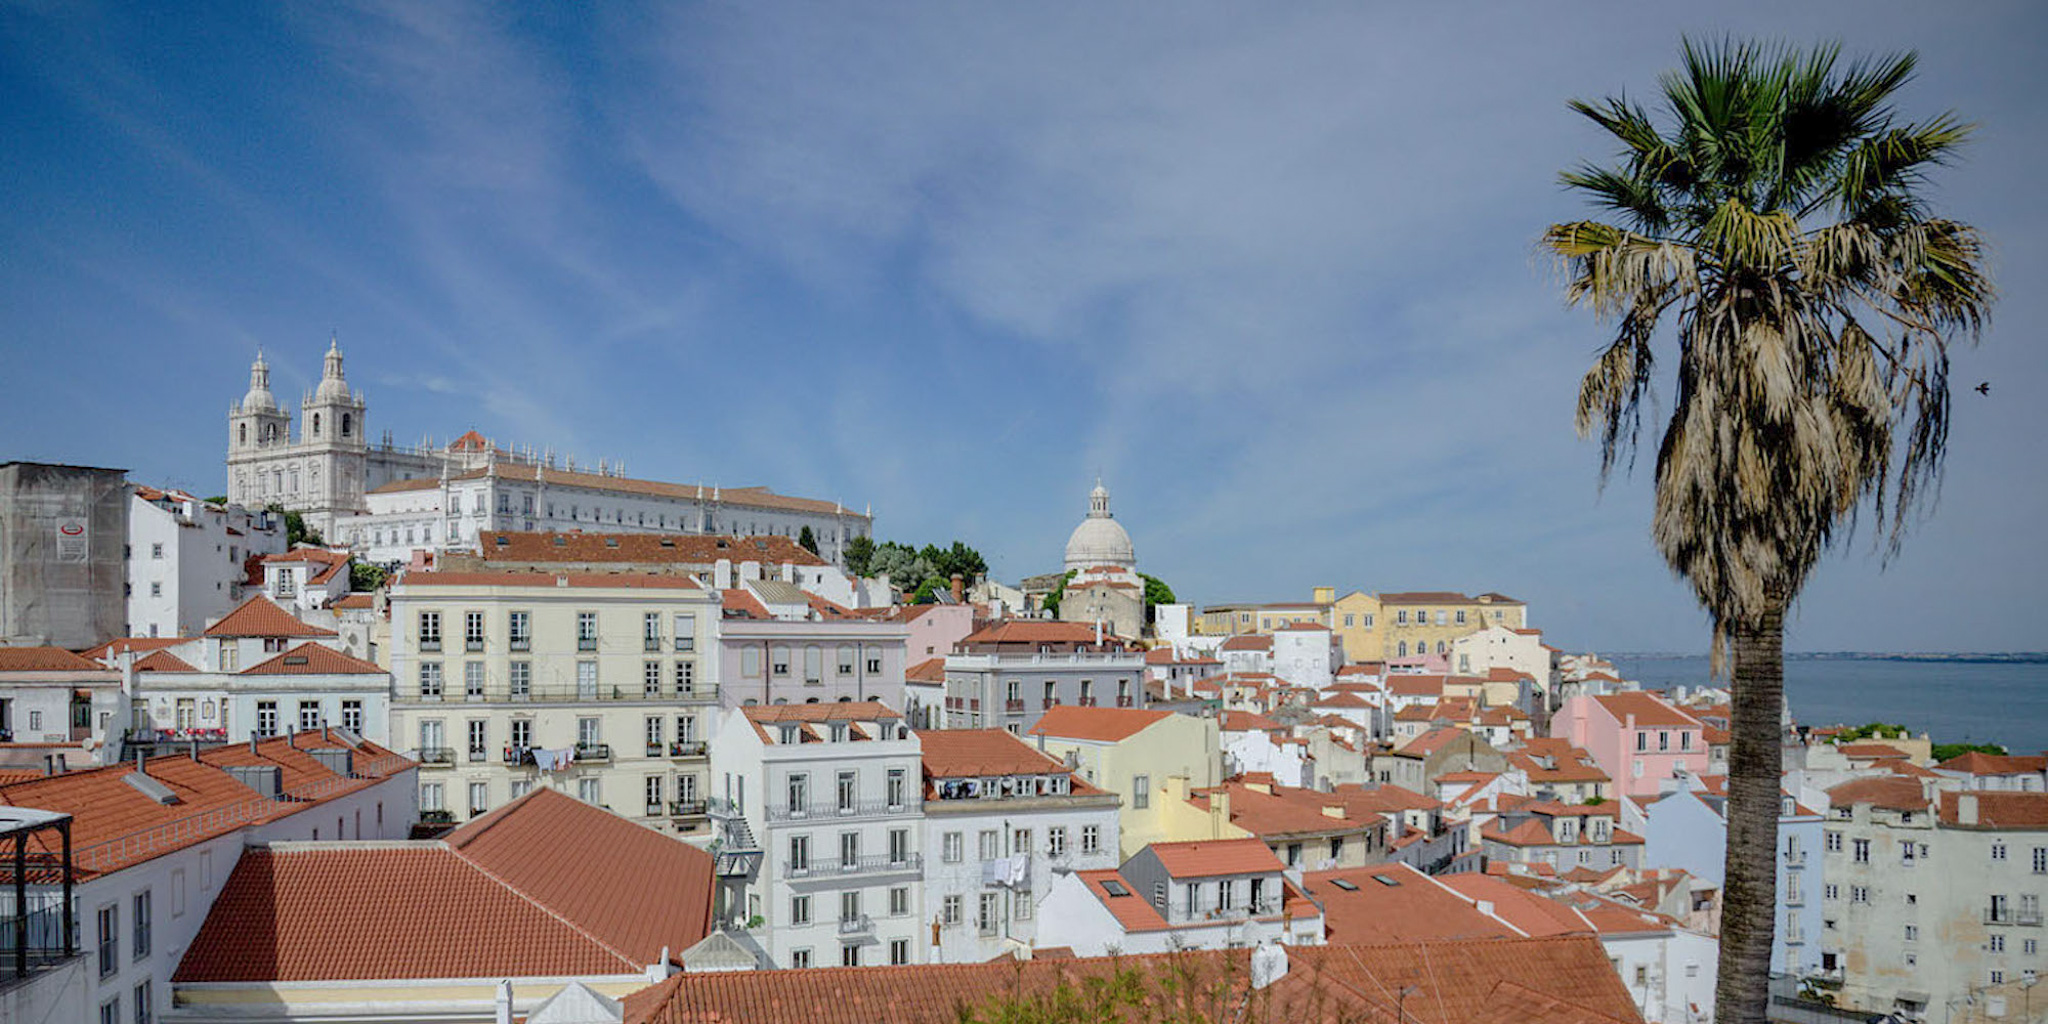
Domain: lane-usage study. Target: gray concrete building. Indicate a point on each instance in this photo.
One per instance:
(63, 554)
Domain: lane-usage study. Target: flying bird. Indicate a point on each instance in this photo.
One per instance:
(1984, 388)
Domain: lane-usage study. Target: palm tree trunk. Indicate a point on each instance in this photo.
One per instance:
(1749, 894)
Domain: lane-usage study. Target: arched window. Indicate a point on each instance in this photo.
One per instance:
(347, 423)
(1404, 650)
(316, 424)
(1440, 647)
(245, 433)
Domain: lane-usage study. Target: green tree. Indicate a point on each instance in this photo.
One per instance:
(365, 576)
(859, 551)
(1945, 751)
(1156, 591)
(296, 531)
(806, 541)
(1768, 225)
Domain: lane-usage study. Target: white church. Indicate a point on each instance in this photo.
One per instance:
(386, 501)
(1105, 587)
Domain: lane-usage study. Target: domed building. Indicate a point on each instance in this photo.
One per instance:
(1105, 587)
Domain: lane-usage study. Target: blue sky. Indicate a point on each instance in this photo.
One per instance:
(1267, 268)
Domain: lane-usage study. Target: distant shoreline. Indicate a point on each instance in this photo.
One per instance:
(1932, 657)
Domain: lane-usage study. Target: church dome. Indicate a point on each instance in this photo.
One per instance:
(1100, 539)
(333, 386)
(259, 398)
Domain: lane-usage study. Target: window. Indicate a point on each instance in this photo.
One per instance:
(145, 1003)
(1913, 935)
(849, 906)
(479, 798)
(1685, 741)
(899, 951)
(479, 739)
(650, 631)
(1859, 894)
(110, 1011)
(1831, 891)
(109, 939)
(519, 628)
(778, 658)
(1141, 792)
(352, 715)
(899, 901)
(987, 911)
(951, 847)
(588, 791)
(874, 664)
(949, 910)
(686, 678)
(847, 793)
(896, 788)
(430, 797)
(1862, 851)
(142, 917)
(849, 955)
(1056, 841)
(1833, 842)
(799, 958)
(1461, 617)
(157, 589)
(800, 853)
(589, 732)
(1997, 940)
(1997, 851)
(899, 845)
(849, 850)
(650, 679)
(653, 789)
(991, 844)
(685, 635)
(430, 680)
(586, 680)
(1091, 838)
(2041, 860)
(472, 631)
(473, 680)
(430, 631)
(1642, 741)
(799, 910)
(586, 631)
(266, 718)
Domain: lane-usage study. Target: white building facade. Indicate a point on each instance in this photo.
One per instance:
(597, 685)
(187, 559)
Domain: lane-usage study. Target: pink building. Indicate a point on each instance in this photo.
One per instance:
(1637, 738)
(935, 628)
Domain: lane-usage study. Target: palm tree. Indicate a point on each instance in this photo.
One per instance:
(1772, 229)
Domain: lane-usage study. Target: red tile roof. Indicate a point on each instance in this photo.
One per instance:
(1101, 725)
(1977, 763)
(1891, 792)
(1500, 981)
(1997, 810)
(1529, 913)
(840, 711)
(1648, 709)
(310, 659)
(260, 616)
(1414, 908)
(1406, 685)
(1248, 642)
(359, 600)
(963, 753)
(741, 603)
(930, 670)
(163, 661)
(133, 643)
(1246, 721)
(592, 580)
(1286, 810)
(1432, 741)
(45, 659)
(1873, 750)
(329, 562)
(1205, 858)
(1035, 631)
(1133, 912)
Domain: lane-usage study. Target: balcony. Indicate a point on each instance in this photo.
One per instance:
(522, 643)
(473, 644)
(1795, 857)
(2027, 918)
(428, 644)
(650, 644)
(834, 812)
(851, 926)
(1052, 702)
(1086, 702)
(516, 756)
(437, 755)
(687, 748)
(1013, 706)
(586, 643)
(593, 751)
(478, 755)
(686, 808)
(880, 864)
(686, 643)
(1123, 702)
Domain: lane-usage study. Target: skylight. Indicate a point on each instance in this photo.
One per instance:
(1386, 880)
(1345, 884)
(1114, 888)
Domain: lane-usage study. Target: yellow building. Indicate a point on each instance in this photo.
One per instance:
(1133, 753)
(1380, 627)
(1239, 619)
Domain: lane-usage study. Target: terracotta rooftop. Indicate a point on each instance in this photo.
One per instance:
(1270, 811)
(964, 753)
(752, 497)
(1647, 708)
(1564, 980)
(841, 711)
(1100, 725)
(1035, 631)
(1248, 642)
(1528, 912)
(1206, 858)
(1997, 809)
(133, 643)
(163, 661)
(1396, 903)
(1977, 763)
(1407, 685)
(260, 616)
(1133, 912)
(310, 659)
(1870, 750)
(544, 886)
(328, 563)
(1432, 741)
(45, 659)
(1246, 721)
(684, 549)
(592, 580)
(1891, 792)
(930, 670)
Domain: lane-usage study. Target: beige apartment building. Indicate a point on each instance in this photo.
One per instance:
(1381, 627)
(601, 686)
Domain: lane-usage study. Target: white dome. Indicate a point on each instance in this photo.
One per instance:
(1100, 539)
(333, 386)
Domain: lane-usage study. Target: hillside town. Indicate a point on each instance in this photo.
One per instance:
(354, 741)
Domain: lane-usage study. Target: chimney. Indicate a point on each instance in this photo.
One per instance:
(291, 739)
(1966, 808)
(252, 741)
(504, 1002)
(1269, 964)
(1219, 811)
(721, 574)
(141, 762)
(959, 582)
(195, 750)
